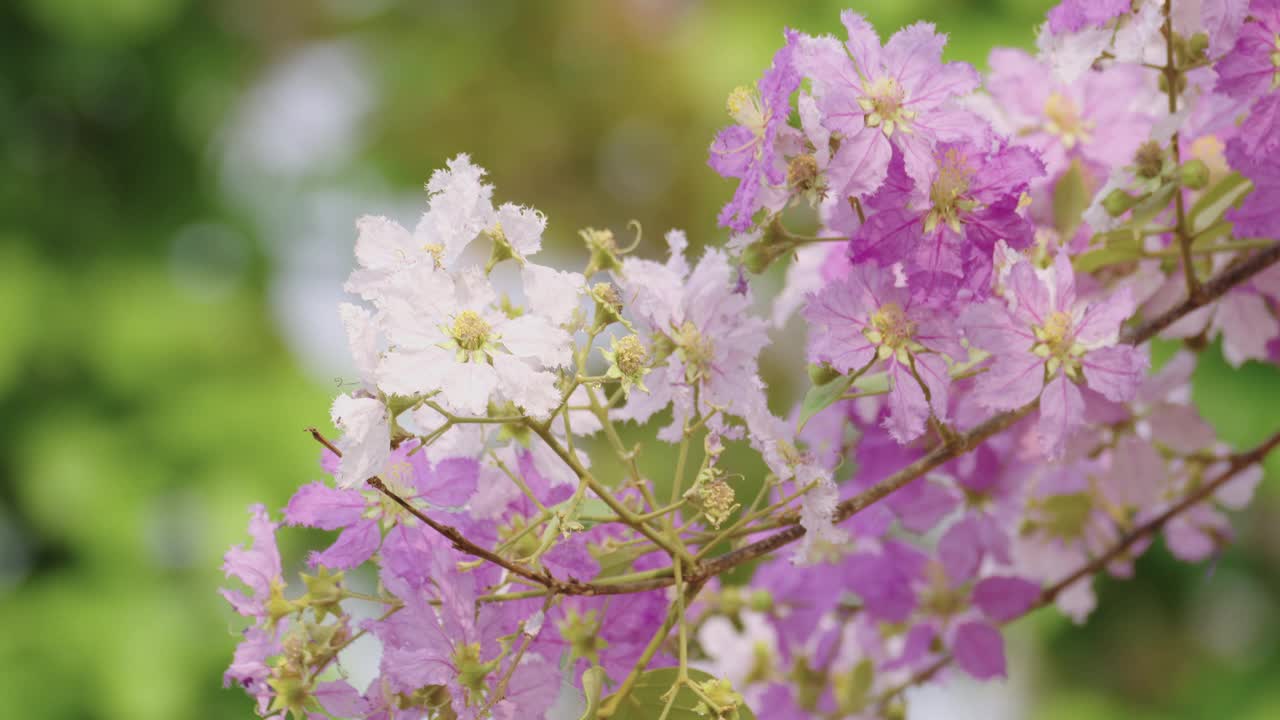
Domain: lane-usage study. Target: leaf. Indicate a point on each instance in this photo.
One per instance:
(853, 689)
(1152, 205)
(615, 561)
(592, 686)
(821, 397)
(1215, 201)
(1071, 197)
(1109, 248)
(646, 699)
(590, 507)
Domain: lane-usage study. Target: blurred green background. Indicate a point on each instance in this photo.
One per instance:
(178, 182)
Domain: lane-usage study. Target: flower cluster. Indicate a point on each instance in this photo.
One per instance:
(984, 431)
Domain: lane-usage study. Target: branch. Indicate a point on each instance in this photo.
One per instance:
(553, 585)
(1050, 594)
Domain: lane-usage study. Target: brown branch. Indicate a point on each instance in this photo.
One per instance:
(544, 578)
(1050, 594)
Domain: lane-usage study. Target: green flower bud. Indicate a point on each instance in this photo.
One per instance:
(1119, 202)
(1194, 174)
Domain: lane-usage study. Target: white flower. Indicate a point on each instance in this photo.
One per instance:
(448, 335)
(383, 248)
(460, 207)
(552, 293)
(365, 441)
(362, 337)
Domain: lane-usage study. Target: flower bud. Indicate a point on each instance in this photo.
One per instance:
(608, 305)
(1194, 174)
(1119, 202)
(603, 249)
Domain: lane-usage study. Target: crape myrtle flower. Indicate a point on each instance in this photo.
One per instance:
(1100, 119)
(866, 319)
(878, 98)
(748, 150)
(257, 566)
(1075, 15)
(971, 200)
(451, 335)
(1045, 341)
(703, 326)
(1252, 67)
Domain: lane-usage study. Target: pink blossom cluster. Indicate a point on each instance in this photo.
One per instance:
(985, 430)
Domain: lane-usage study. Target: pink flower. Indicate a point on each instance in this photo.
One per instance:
(257, 566)
(1250, 69)
(747, 150)
(878, 98)
(1045, 342)
(864, 319)
(1101, 118)
(952, 223)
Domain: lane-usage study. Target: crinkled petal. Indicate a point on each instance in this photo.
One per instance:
(1061, 411)
(1116, 372)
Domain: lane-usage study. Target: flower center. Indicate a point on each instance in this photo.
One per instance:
(696, 349)
(1064, 121)
(1275, 62)
(892, 328)
(883, 104)
(948, 192)
(1056, 332)
(470, 331)
(744, 106)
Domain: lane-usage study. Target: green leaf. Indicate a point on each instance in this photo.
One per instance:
(1154, 204)
(821, 397)
(646, 699)
(1215, 201)
(1071, 197)
(590, 507)
(853, 689)
(615, 561)
(1109, 248)
(592, 686)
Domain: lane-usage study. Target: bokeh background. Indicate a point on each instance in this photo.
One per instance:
(178, 184)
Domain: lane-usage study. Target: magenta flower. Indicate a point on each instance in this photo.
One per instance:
(747, 150)
(1251, 68)
(970, 201)
(865, 319)
(878, 98)
(1045, 342)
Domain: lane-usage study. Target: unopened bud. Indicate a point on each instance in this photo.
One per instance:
(1194, 174)
(1119, 202)
(1198, 45)
(603, 249)
(608, 305)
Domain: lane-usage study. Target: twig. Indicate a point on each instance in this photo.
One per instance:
(1050, 594)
